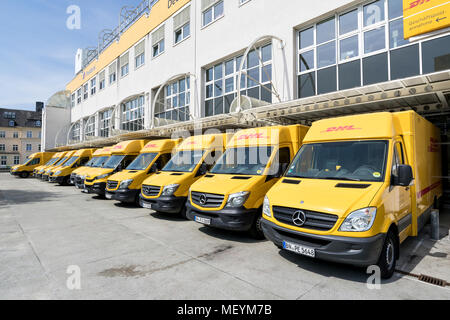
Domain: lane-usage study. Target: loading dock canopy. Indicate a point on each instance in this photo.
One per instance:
(425, 94)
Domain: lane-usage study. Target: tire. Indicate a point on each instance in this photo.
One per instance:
(256, 229)
(24, 175)
(183, 213)
(388, 256)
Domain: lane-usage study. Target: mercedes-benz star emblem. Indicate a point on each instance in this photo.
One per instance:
(299, 218)
(203, 199)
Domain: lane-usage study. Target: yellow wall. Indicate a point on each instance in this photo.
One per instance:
(143, 26)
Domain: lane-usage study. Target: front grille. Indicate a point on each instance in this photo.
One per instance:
(207, 200)
(112, 185)
(151, 191)
(314, 220)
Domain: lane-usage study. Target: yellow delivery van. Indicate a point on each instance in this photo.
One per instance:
(231, 195)
(62, 174)
(35, 160)
(102, 156)
(122, 154)
(167, 190)
(37, 172)
(59, 164)
(77, 173)
(125, 186)
(358, 187)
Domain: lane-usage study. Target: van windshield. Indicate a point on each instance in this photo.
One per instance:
(184, 161)
(113, 162)
(99, 162)
(71, 161)
(353, 160)
(244, 161)
(60, 161)
(52, 161)
(142, 161)
(91, 162)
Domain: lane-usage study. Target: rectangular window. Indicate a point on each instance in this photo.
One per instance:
(15, 147)
(112, 73)
(405, 62)
(124, 64)
(181, 25)
(90, 127)
(15, 135)
(93, 86)
(9, 115)
(139, 54)
(72, 103)
(2, 147)
(3, 160)
(86, 91)
(436, 54)
(16, 160)
(79, 96)
(2, 134)
(76, 133)
(105, 123)
(102, 80)
(174, 103)
(158, 41)
(39, 147)
(222, 80)
(211, 11)
(133, 114)
(29, 134)
(29, 147)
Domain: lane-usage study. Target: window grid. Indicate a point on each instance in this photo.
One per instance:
(175, 104)
(133, 114)
(221, 80)
(90, 127)
(182, 33)
(212, 13)
(76, 132)
(105, 123)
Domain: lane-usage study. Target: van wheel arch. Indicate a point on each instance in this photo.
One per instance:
(395, 231)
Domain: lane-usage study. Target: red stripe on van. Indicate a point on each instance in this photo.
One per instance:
(420, 194)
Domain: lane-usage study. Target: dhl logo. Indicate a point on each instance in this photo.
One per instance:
(341, 128)
(252, 136)
(416, 3)
(151, 145)
(118, 147)
(434, 145)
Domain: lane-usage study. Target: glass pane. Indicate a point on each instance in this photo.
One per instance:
(209, 108)
(207, 16)
(307, 61)
(266, 73)
(218, 10)
(326, 54)
(229, 67)
(182, 85)
(348, 22)
(349, 48)
(218, 72)
(405, 62)
(186, 30)
(374, 13)
(182, 100)
(375, 69)
(253, 59)
(326, 80)
(209, 74)
(218, 90)
(266, 53)
(306, 85)
(229, 85)
(228, 100)
(326, 31)
(396, 38)
(306, 38)
(253, 77)
(266, 94)
(374, 40)
(436, 55)
(350, 75)
(395, 8)
(209, 91)
(253, 93)
(218, 106)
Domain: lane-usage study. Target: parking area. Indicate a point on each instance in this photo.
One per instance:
(124, 252)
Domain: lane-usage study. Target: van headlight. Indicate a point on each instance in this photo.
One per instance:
(57, 173)
(360, 220)
(103, 176)
(170, 189)
(266, 207)
(237, 200)
(125, 184)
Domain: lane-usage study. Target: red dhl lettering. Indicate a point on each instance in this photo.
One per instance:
(416, 3)
(341, 128)
(151, 145)
(252, 136)
(434, 145)
(118, 147)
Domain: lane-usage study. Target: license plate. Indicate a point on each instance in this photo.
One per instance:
(310, 252)
(108, 196)
(203, 220)
(146, 205)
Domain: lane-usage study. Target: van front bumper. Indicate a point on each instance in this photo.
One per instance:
(98, 188)
(235, 219)
(58, 179)
(355, 251)
(127, 195)
(45, 177)
(38, 175)
(170, 204)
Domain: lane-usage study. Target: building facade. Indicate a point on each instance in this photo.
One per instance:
(173, 62)
(20, 135)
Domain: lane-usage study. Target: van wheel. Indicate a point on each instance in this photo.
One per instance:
(183, 213)
(256, 229)
(24, 175)
(388, 257)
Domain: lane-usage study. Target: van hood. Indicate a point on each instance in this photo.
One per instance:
(327, 196)
(163, 179)
(226, 184)
(97, 172)
(126, 175)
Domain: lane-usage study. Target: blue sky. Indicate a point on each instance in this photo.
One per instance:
(37, 49)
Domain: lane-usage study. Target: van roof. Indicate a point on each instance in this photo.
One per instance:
(106, 151)
(160, 145)
(84, 152)
(129, 147)
(267, 136)
(202, 142)
(365, 126)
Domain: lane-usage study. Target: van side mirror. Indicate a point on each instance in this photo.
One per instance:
(202, 170)
(154, 168)
(404, 176)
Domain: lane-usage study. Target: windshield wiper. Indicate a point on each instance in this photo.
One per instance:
(341, 178)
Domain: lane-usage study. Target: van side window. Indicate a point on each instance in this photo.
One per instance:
(395, 161)
(282, 158)
(285, 155)
(399, 149)
(83, 161)
(35, 161)
(164, 158)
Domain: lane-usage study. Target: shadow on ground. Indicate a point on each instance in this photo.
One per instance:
(243, 237)
(14, 197)
(168, 216)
